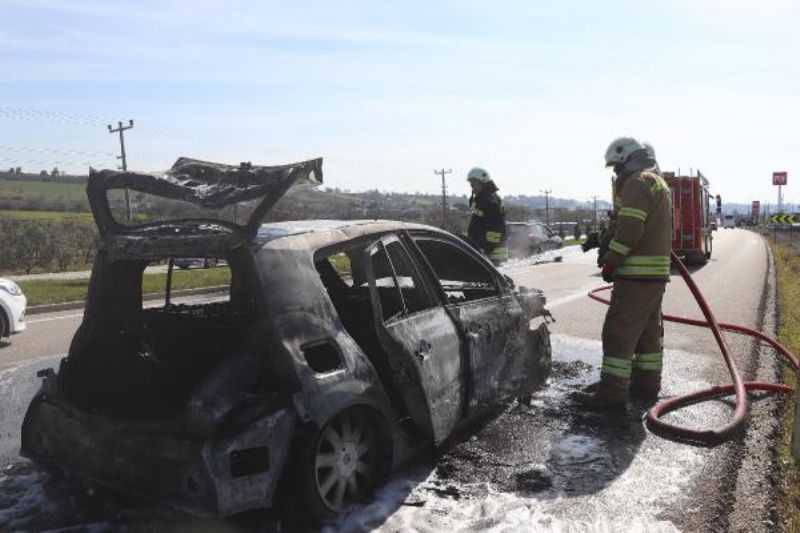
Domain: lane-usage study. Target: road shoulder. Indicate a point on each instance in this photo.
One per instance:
(755, 493)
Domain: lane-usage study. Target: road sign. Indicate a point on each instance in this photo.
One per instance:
(784, 219)
(779, 178)
(755, 209)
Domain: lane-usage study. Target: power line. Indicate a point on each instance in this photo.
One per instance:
(22, 113)
(56, 151)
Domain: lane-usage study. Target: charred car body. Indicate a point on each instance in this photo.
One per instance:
(342, 348)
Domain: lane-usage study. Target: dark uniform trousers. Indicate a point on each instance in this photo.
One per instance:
(633, 332)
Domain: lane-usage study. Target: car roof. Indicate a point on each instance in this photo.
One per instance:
(315, 234)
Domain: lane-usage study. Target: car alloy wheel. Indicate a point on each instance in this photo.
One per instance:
(346, 468)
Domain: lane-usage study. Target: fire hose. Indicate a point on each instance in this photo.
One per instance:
(739, 387)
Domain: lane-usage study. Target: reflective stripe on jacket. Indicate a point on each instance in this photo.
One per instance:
(642, 239)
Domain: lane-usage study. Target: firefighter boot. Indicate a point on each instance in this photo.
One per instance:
(611, 392)
(646, 375)
(645, 384)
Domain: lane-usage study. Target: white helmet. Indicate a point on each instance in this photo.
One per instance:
(650, 150)
(478, 174)
(621, 149)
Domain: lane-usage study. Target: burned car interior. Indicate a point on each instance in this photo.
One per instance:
(135, 361)
(159, 353)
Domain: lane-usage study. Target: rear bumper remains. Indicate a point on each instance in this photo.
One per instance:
(216, 476)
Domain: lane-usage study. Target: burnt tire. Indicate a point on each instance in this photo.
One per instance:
(340, 464)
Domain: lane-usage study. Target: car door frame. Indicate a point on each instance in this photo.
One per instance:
(478, 337)
(418, 367)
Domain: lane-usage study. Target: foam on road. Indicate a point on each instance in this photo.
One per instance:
(554, 469)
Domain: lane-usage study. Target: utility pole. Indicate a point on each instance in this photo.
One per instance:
(443, 173)
(547, 193)
(594, 219)
(121, 130)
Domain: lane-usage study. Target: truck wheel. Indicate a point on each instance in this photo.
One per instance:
(696, 259)
(342, 464)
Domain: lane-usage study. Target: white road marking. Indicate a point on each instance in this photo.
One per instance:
(582, 293)
(51, 318)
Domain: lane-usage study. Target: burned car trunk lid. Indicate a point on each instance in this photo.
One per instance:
(203, 184)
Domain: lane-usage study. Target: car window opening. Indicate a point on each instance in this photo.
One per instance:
(344, 276)
(462, 277)
(347, 288)
(144, 358)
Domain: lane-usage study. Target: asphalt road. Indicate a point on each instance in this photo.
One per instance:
(545, 466)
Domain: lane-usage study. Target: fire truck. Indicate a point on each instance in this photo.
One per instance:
(692, 238)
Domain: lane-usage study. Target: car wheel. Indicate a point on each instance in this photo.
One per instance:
(343, 464)
(5, 327)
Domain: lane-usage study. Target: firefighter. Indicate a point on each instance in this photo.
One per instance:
(487, 225)
(638, 263)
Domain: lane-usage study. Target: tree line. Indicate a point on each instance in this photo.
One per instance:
(60, 245)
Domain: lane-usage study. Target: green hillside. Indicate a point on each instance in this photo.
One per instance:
(30, 194)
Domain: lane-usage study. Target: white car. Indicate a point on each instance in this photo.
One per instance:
(12, 308)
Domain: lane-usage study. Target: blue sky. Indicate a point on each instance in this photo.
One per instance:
(386, 92)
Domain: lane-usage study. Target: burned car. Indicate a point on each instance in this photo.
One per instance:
(342, 349)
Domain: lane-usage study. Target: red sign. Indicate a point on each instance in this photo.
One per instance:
(755, 209)
(779, 178)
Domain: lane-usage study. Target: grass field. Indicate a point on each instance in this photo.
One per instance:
(53, 291)
(55, 216)
(48, 189)
(787, 263)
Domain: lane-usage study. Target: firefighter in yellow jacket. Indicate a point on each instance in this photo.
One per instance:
(487, 225)
(638, 262)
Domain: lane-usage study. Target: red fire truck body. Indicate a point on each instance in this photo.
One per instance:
(692, 238)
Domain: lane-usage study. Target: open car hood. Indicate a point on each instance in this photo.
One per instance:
(202, 183)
